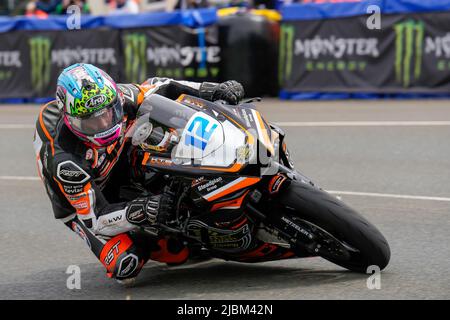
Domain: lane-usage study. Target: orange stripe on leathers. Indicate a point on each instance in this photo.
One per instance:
(47, 134)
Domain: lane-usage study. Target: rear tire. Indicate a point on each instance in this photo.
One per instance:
(314, 205)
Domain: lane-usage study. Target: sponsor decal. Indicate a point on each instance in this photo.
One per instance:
(108, 132)
(40, 58)
(335, 47)
(287, 34)
(170, 61)
(135, 45)
(297, 227)
(128, 265)
(96, 101)
(330, 53)
(71, 189)
(275, 183)
(136, 213)
(112, 253)
(10, 59)
(113, 220)
(127, 92)
(97, 56)
(69, 172)
(84, 204)
(409, 37)
(210, 185)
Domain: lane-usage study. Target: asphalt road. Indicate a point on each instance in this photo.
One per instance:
(391, 161)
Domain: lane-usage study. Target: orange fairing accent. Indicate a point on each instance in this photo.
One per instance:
(143, 89)
(244, 183)
(80, 201)
(164, 255)
(47, 134)
(181, 98)
(231, 204)
(145, 159)
(267, 141)
(113, 249)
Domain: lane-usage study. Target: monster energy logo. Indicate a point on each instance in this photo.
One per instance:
(40, 58)
(135, 57)
(286, 51)
(408, 51)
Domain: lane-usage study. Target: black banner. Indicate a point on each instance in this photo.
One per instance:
(13, 62)
(409, 54)
(30, 62)
(171, 51)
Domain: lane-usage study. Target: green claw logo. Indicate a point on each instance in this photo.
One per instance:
(40, 58)
(135, 46)
(408, 51)
(287, 34)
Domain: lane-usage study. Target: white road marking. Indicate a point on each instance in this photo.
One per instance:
(364, 124)
(19, 178)
(386, 195)
(17, 126)
(350, 193)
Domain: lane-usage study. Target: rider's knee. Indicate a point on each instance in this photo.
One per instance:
(122, 258)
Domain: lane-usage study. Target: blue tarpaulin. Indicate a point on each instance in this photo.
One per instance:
(313, 11)
(190, 18)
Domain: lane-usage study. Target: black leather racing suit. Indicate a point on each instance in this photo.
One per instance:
(83, 183)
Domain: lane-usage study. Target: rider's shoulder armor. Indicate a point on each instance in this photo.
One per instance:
(131, 93)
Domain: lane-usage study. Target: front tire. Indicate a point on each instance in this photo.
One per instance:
(311, 204)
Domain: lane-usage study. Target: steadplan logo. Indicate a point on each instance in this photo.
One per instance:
(409, 45)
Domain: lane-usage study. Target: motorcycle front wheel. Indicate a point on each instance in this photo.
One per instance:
(343, 236)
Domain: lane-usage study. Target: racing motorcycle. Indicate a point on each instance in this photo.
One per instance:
(238, 195)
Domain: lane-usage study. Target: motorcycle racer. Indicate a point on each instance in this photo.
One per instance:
(83, 158)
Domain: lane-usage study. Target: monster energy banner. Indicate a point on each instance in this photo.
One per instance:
(410, 53)
(173, 52)
(30, 62)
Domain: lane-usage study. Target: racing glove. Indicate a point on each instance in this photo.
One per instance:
(153, 210)
(231, 91)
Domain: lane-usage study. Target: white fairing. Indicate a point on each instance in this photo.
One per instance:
(209, 142)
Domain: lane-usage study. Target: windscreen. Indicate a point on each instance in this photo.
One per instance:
(165, 111)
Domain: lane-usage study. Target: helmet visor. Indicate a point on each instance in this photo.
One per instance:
(98, 122)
